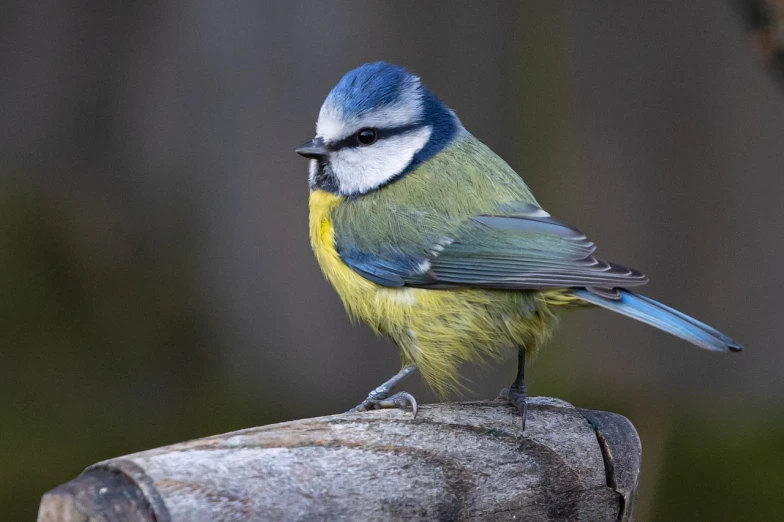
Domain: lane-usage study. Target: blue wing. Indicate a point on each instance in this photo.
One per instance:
(518, 247)
(393, 267)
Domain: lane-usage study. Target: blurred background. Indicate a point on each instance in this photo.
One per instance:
(156, 280)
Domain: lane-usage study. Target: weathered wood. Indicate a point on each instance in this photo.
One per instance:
(621, 450)
(461, 461)
(98, 494)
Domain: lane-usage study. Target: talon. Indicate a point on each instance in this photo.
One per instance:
(414, 405)
(517, 398)
(400, 400)
(359, 407)
(523, 409)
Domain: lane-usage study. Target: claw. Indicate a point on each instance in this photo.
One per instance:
(380, 398)
(399, 400)
(518, 399)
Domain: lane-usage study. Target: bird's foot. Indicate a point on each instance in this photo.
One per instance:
(377, 401)
(517, 397)
(381, 397)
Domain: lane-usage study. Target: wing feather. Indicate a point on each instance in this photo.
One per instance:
(519, 247)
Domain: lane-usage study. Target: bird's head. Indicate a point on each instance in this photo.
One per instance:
(376, 125)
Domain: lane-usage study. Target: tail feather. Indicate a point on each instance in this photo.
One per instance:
(663, 317)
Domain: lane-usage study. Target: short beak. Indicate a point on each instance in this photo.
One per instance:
(314, 149)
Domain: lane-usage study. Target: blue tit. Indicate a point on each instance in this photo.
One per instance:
(435, 242)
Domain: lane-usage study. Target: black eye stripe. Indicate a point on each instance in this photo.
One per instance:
(351, 141)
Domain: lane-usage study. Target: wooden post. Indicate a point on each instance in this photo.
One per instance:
(460, 461)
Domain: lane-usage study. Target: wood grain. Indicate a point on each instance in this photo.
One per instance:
(459, 461)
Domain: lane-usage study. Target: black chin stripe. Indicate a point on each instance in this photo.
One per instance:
(325, 179)
(353, 142)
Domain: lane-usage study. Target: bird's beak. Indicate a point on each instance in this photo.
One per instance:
(314, 149)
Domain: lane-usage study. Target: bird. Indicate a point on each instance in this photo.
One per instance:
(436, 243)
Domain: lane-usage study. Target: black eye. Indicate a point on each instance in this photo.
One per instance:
(367, 136)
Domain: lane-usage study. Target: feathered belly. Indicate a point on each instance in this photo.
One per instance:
(435, 329)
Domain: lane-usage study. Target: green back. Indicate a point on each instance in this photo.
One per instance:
(465, 179)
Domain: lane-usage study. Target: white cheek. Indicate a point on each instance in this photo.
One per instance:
(362, 169)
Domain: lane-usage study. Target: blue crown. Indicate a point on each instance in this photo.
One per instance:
(376, 85)
(370, 86)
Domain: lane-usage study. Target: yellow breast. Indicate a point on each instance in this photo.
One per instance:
(353, 289)
(385, 310)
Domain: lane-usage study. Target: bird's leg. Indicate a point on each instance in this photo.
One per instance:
(518, 391)
(381, 398)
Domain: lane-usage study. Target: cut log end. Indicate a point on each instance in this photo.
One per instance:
(97, 494)
(460, 461)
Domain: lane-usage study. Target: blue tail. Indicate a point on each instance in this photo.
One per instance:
(664, 318)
